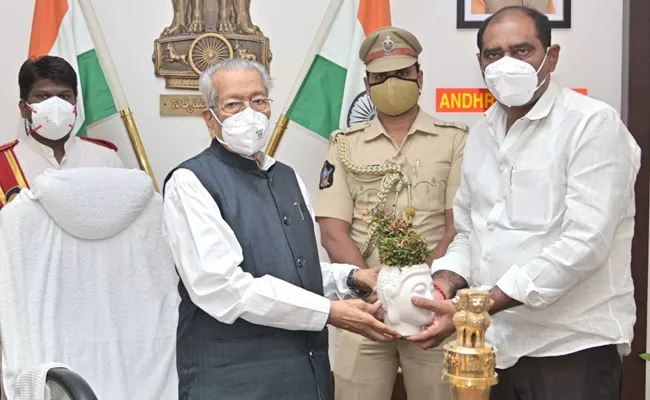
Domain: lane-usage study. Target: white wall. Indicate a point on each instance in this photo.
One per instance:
(448, 60)
(590, 58)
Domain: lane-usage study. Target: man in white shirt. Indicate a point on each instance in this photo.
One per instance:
(48, 96)
(545, 219)
(254, 309)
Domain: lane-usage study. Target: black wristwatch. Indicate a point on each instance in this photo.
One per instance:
(350, 282)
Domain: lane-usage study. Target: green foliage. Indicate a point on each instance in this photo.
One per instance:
(645, 356)
(398, 243)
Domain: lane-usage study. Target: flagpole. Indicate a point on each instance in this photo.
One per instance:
(316, 46)
(101, 48)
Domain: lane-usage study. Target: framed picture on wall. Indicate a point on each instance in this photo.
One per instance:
(471, 13)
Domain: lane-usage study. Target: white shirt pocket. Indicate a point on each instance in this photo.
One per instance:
(529, 204)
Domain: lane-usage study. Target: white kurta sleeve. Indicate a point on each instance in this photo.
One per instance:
(207, 256)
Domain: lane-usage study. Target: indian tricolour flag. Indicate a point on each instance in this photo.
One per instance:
(59, 29)
(332, 95)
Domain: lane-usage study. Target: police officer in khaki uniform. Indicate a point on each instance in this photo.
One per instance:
(403, 158)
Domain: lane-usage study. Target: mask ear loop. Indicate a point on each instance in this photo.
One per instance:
(29, 124)
(543, 61)
(74, 111)
(215, 136)
(540, 68)
(215, 116)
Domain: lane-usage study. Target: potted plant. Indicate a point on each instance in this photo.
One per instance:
(404, 273)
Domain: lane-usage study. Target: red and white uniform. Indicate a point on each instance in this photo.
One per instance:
(22, 161)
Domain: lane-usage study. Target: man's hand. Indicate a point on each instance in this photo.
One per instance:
(379, 314)
(501, 301)
(358, 316)
(442, 326)
(449, 282)
(372, 298)
(366, 279)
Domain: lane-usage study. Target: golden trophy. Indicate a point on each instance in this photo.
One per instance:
(469, 361)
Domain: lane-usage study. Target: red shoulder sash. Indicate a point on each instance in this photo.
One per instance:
(12, 179)
(101, 142)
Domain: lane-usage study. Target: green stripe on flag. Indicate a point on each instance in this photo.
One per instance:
(318, 103)
(97, 97)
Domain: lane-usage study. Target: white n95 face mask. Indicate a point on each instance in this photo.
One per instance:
(246, 132)
(53, 118)
(513, 82)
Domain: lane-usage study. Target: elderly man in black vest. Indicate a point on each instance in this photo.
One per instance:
(252, 321)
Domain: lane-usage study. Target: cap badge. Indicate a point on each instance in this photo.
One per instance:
(388, 45)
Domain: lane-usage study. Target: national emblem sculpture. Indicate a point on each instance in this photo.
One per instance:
(202, 33)
(469, 360)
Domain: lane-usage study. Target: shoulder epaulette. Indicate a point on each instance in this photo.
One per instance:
(351, 129)
(12, 178)
(334, 134)
(101, 142)
(357, 127)
(8, 146)
(449, 124)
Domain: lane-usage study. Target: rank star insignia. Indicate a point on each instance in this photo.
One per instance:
(388, 45)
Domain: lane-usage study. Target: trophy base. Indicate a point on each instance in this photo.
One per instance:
(465, 393)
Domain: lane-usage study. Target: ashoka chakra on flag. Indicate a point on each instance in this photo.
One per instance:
(361, 109)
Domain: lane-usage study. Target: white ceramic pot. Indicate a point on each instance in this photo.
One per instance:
(395, 287)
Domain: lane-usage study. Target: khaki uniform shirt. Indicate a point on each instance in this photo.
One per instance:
(430, 155)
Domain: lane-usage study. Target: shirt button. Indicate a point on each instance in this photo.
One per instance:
(502, 168)
(491, 228)
(285, 219)
(311, 354)
(500, 199)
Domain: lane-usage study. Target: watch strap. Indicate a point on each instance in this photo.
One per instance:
(350, 283)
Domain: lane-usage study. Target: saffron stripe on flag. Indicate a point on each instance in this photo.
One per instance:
(373, 15)
(48, 16)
